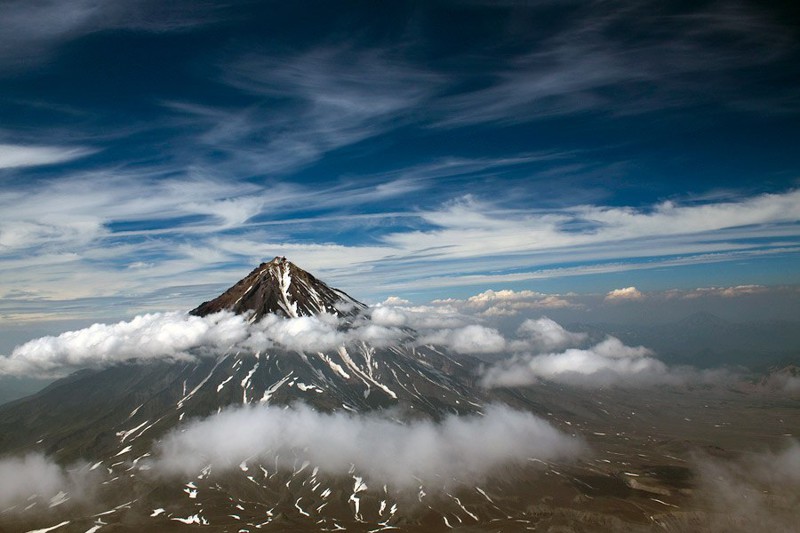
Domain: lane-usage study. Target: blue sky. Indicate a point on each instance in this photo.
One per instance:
(150, 156)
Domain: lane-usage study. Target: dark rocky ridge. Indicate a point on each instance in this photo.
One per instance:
(281, 287)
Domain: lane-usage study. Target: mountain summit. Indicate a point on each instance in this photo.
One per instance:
(283, 288)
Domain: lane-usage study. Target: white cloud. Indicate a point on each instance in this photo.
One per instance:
(76, 211)
(507, 302)
(459, 448)
(543, 334)
(469, 227)
(30, 29)
(472, 339)
(628, 293)
(334, 96)
(146, 337)
(503, 295)
(608, 362)
(725, 292)
(180, 336)
(572, 70)
(181, 221)
(487, 238)
(395, 300)
(783, 381)
(442, 280)
(389, 316)
(16, 156)
(420, 317)
(35, 477)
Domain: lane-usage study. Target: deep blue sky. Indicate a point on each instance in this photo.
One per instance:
(150, 156)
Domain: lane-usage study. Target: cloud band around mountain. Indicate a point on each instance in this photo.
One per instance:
(458, 449)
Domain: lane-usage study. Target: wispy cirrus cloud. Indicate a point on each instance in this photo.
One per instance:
(586, 66)
(308, 104)
(30, 31)
(214, 228)
(20, 156)
(76, 211)
(467, 225)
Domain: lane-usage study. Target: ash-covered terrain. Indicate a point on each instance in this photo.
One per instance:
(287, 405)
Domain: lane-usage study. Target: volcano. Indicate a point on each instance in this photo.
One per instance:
(114, 417)
(83, 413)
(321, 422)
(280, 287)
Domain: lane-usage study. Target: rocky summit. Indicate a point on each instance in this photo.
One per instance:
(282, 288)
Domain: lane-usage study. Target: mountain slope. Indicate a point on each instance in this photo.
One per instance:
(282, 288)
(114, 417)
(85, 414)
(120, 422)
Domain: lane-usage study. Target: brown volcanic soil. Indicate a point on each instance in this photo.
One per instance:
(641, 475)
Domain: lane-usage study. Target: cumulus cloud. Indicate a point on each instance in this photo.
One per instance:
(544, 334)
(146, 337)
(420, 317)
(36, 477)
(389, 316)
(725, 292)
(383, 450)
(395, 300)
(180, 336)
(470, 339)
(628, 293)
(508, 302)
(607, 362)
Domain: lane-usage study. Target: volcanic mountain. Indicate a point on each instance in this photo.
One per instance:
(116, 415)
(352, 377)
(282, 288)
(115, 424)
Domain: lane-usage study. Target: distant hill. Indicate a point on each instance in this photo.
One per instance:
(706, 340)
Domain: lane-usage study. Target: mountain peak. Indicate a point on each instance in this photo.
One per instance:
(703, 319)
(283, 288)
